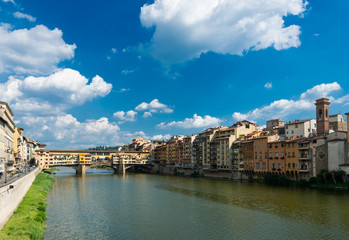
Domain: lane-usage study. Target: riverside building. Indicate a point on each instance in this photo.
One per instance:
(7, 129)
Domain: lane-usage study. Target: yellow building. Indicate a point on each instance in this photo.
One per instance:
(291, 153)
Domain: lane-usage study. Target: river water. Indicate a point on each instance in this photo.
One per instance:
(101, 205)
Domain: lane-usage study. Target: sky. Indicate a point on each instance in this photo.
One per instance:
(79, 74)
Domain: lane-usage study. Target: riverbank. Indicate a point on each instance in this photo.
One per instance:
(269, 179)
(28, 221)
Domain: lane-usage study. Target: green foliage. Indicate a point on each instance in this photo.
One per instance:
(50, 170)
(320, 177)
(195, 174)
(279, 180)
(303, 183)
(338, 175)
(28, 221)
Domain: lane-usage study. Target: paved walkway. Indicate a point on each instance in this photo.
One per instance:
(11, 179)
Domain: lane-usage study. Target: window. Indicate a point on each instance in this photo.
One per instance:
(289, 165)
(276, 155)
(292, 132)
(293, 165)
(274, 165)
(257, 165)
(279, 166)
(263, 165)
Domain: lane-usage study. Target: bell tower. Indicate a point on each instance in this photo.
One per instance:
(322, 116)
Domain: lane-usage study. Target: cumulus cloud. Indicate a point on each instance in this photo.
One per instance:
(186, 29)
(194, 122)
(129, 116)
(161, 137)
(154, 107)
(58, 91)
(32, 51)
(268, 85)
(147, 114)
(284, 107)
(65, 131)
(24, 16)
(322, 90)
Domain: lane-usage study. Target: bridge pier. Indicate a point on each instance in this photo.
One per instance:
(81, 170)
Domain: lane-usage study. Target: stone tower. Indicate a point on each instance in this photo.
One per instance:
(322, 116)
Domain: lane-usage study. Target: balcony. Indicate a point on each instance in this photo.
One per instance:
(304, 157)
(303, 170)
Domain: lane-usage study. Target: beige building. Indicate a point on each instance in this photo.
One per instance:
(337, 123)
(299, 129)
(221, 153)
(7, 129)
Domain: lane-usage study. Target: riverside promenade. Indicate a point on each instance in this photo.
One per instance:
(12, 193)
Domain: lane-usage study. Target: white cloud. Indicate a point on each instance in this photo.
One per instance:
(11, 1)
(124, 90)
(154, 106)
(114, 50)
(127, 71)
(268, 85)
(161, 137)
(129, 116)
(276, 109)
(65, 131)
(147, 114)
(35, 51)
(54, 93)
(24, 16)
(186, 29)
(322, 90)
(284, 107)
(195, 122)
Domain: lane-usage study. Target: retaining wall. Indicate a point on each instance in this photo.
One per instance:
(10, 198)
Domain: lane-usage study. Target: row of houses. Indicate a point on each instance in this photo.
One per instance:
(16, 150)
(298, 149)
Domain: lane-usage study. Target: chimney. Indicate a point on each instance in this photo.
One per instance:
(347, 126)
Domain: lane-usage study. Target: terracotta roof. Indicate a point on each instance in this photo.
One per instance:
(298, 121)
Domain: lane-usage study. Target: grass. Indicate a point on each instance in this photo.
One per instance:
(28, 221)
(51, 170)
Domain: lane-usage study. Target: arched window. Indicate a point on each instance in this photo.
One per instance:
(320, 112)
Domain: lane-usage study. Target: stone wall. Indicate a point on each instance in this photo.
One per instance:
(10, 198)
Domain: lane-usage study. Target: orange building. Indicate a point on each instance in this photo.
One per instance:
(246, 155)
(276, 152)
(260, 148)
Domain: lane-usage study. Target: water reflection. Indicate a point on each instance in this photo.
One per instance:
(138, 206)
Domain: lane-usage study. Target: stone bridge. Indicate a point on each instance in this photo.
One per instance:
(83, 160)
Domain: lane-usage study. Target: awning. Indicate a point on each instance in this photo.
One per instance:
(2, 169)
(11, 169)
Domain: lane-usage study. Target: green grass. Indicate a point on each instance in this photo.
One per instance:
(51, 170)
(28, 221)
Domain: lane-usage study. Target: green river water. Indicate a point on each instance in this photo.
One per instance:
(102, 205)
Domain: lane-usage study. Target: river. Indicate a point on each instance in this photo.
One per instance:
(102, 205)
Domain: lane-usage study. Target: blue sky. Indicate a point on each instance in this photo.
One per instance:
(84, 73)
